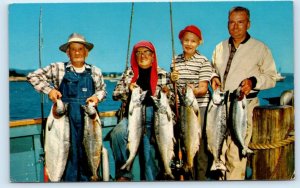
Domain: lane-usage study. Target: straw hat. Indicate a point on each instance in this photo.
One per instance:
(75, 37)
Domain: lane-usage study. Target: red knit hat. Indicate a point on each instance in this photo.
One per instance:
(135, 66)
(191, 28)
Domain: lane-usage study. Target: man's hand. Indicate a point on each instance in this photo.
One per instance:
(93, 99)
(54, 95)
(174, 76)
(246, 86)
(215, 83)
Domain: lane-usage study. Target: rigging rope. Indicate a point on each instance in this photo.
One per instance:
(129, 37)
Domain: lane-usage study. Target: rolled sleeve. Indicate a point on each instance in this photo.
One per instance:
(100, 86)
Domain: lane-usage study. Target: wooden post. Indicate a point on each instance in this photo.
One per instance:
(273, 143)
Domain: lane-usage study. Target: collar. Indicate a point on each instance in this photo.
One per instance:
(69, 64)
(243, 42)
(192, 57)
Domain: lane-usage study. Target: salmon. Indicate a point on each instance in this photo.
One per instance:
(135, 124)
(239, 121)
(57, 141)
(92, 139)
(216, 128)
(163, 129)
(190, 125)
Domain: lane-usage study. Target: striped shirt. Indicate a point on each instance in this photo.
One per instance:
(194, 70)
(50, 77)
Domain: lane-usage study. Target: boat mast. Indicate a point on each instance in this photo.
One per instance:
(40, 66)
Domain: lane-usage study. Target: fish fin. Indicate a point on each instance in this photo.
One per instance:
(50, 125)
(143, 95)
(155, 100)
(246, 151)
(218, 165)
(169, 116)
(174, 141)
(126, 166)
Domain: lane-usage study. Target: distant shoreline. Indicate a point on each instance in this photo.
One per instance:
(17, 78)
(23, 78)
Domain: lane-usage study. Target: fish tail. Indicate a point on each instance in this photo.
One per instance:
(218, 165)
(246, 151)
(94, 178)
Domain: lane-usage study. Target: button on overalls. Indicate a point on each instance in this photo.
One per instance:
(75, 89)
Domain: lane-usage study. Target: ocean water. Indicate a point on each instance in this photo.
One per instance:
(25, 102)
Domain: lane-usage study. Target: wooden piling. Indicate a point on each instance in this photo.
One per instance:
(273, 143)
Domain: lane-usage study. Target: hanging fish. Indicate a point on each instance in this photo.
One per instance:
(135, 124)
(57, 141)
(239, 120)
(163, 129)
(92, 138)
(216, 128)
(190, 125)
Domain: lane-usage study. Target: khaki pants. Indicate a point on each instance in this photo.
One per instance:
(236, 166)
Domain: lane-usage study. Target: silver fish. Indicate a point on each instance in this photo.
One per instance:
(57, 141)
(216, 128)
(105, 164)
(163, 129)
(239, 120)
(92, 138)
(190, 125)
(135, 124)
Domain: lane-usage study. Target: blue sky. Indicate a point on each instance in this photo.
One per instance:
(107, 26)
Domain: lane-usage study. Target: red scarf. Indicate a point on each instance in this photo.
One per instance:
(135, 67)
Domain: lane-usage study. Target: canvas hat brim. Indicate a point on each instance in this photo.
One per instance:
(65, 46)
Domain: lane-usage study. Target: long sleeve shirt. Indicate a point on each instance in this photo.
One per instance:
(251, 59)
(50, 77)
(121, 91)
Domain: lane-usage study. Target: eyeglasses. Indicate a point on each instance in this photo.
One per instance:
(146, 53)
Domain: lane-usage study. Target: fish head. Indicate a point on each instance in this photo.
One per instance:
(155, 101)
(59, 108)
(218, 96)
(138, 95)
(90, 109)
(239, 94)
(189, 98)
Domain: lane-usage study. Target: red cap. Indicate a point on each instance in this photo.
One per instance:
(191, 28)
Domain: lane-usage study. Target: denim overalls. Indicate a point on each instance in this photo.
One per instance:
(75, 89)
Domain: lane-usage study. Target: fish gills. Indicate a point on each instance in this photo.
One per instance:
(135, 124)
(239, 121)
(92, 139)
(163, 129)
(57, 141)
(216, 128)
(190, 125)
